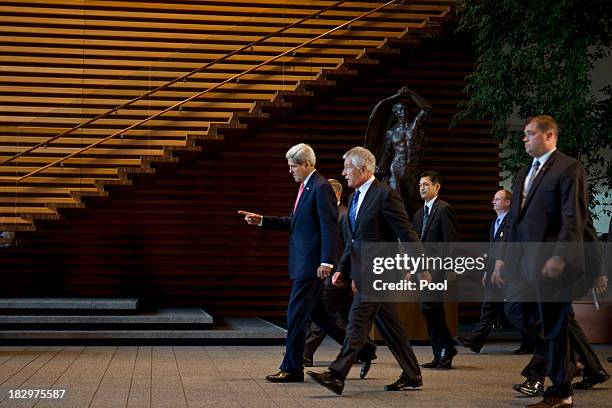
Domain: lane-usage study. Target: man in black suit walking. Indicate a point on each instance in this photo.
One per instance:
(436, 222)
(376, 214)
(492, 308)
(550, 207)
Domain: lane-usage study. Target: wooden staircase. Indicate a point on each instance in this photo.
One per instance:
(153, 214)
(69, 61)
(175, 240)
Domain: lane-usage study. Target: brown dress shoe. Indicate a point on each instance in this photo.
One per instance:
(551, 402)
(330, 381)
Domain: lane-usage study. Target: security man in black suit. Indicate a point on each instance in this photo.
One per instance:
(492, 308)
(436, 223)
(581, 352)
(550, 207)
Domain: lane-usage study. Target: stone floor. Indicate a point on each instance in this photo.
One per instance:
(232, 376)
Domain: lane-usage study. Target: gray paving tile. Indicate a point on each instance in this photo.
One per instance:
(232, 377)
(166, 386)
(46, 377)
(140, 385)
(114, 389)
(82, 378)
(12, 366)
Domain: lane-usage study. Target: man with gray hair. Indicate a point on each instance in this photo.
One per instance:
(313, 241)
(376, 214)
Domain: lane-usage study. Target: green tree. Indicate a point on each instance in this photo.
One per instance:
(535, 57)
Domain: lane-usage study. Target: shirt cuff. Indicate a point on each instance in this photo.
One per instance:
(260, 222)
(331, 266)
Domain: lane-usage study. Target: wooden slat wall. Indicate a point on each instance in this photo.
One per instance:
(176, 239)
(68, 60)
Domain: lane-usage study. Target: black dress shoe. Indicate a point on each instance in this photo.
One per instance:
(285, 377)
(307, 361)
(446, 358)
(533, 388)
(365, 368)
(588, 381)
(404, 382)
(432, 364)
(328, 380)
(465, 342)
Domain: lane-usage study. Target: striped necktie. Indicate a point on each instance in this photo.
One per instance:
(425, 220)
(353, 212)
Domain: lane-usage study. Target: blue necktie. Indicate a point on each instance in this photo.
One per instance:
(496, 227)
(425, 220)
(353, 212)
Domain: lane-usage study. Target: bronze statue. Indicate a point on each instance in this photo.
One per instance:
(398, 142)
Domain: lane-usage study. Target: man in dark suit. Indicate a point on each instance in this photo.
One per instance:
(337, 300)
(313, 241)
(581, 351)
(550, 206)
(492, 308)
(376, 214)
(436, 223)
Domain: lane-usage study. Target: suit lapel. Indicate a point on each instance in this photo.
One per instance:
(367, 200)
(499, 233)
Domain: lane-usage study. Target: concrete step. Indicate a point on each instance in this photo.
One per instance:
(162, 316)
(59, 303)
(232, 329)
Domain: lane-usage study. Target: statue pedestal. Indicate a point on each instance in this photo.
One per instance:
(597, 324)
(414, 322)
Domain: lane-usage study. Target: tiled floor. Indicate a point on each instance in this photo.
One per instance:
(232, 376)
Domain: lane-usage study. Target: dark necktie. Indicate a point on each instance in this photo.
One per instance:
(425, 220)
(353, 212)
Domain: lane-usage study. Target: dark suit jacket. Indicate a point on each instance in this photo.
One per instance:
(441, 224)
(381, 218)
(495, 244)
(313, 229)
(441, 229)
(593, 261)
(555, 212)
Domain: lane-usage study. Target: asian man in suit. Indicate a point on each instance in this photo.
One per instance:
(436, 223)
